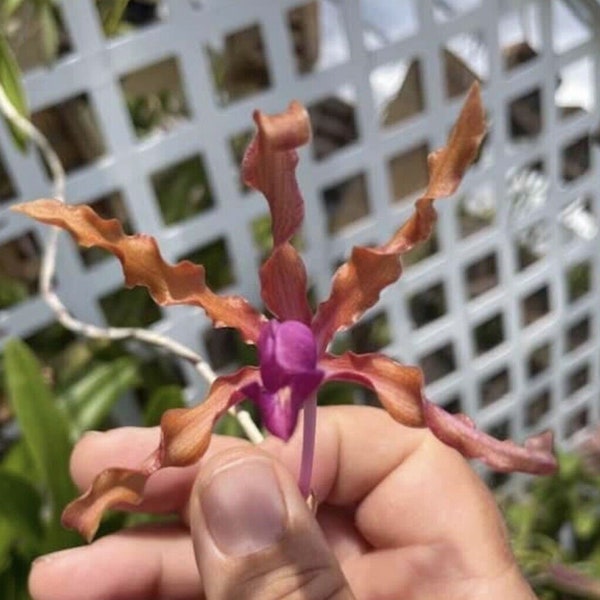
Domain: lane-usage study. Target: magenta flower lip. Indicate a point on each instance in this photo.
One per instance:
(292, 346)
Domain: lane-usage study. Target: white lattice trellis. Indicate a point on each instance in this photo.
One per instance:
(501, 310)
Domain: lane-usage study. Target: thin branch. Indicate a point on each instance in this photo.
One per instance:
(63, 315)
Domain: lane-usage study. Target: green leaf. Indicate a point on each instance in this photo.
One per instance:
(21, 506)
(17, 460)
(162, 399)
(11, 82)
(111, 14)
(10, 6)
(50, 36)
(90, 400)
(43, 425)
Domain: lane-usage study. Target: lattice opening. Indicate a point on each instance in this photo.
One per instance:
(539, 359)
(579, 280)
(578, 333)
(576, 92)
(333, 123)
(346, 203)
(531, 245)
(453, 405)
(577, 379)
(500, 430)
(372, 334)
(138, 14)
(110, 206)
(494, 387)
(519, 35)
(262, 236)
(73, 131)
(7, 190)
(44, 343)
(482, 276)
(239, 65)
(568, 31)
(489, 334)
(438, 363)
(537, 407)
(422, 252)
(318, 36)
(577, 422)
(130, 308)
(465, 58)
(223, 346)
(576, 159)
(476, 210)
(535, 306)
(408, 172)
(387, 22)
(20, 260)
(38, 37)
(397, 89)
(525, 116)
(216, 260)
(237, 147)
(183, 190)
(428, 305)
(155, 97)
(579, 221)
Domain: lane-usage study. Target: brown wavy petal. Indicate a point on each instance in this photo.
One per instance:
(284, 285)
(186, 436)
(399, 388)
(358, 283)
(183, 283)
(269, 166)
(535, 456)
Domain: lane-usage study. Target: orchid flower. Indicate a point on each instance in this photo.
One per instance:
(292, 345)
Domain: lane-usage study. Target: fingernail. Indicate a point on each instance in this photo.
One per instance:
(243, 507)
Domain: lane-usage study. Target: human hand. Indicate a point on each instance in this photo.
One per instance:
(401, 516)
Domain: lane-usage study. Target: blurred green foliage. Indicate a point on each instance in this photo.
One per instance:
(555, 531)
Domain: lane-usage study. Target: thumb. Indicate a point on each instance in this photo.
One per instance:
(254, 536)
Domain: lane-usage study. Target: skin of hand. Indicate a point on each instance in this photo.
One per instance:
(400, 516)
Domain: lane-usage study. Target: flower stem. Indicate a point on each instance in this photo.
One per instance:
(308, 445)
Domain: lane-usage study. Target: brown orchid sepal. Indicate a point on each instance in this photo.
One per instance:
(185, 437)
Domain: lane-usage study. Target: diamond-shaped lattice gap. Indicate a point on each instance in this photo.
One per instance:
(525, 116)
(576, 159)
(579, 280)
(577, 421)
(489, 334)
(237, 147)
(333, 124)
(397, 89)
(537, 407)
(346, 202)
(183, 190)
(7, 190)
(476, 210)
(215, 259)
(318, 36)
(428, 305)
(155, 97)
(578, 333)
(387, 22)
(438, 363)
(576, 92)
(130, 308)
(465, 60)
(224, 347)
(239, 65)
(481, 275)
(72, 130)
(19, 269)
(535, 305)
(408, 172)
(38, 38)
(371, 335)
(539, 359)
(519, 34)
(137, 14)
(577, 379)
(494, 387)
